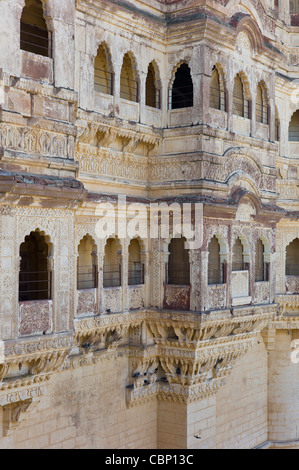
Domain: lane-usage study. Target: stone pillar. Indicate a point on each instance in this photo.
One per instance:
(62, 16)
(10, 52)
(124, 281)
(157, 273)
(86, 94)
(195, 294)
(252, 105)
(117, 71)
(142, 109)
(229, 95)
(100, 282)
(204, 280)
(9, 279)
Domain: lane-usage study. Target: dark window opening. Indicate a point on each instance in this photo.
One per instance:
(35, 279)
(182, 89)
(217, 94)
(129, 86)
(178, 271)
(261, 105)
(136, 267)
(292, 258)
(112, 264)
(35, 36)
(260, 265)
(87, 270)
(103, 75)
(153, 96)
(238, 257)
(215, 272)
(294, 127)
(240, 103)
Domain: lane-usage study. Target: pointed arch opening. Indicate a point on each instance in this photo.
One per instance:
(241, 106)
(178, 269)
(136, 267)
(112, 263)
(129, 84)
(35, 276)
(35, 36)
(216, 263)
(294, 127)
(261, 112)
(217, 91)
(292, 258)
(238, 259)
(261, 266)
(103, 72)
(152, 89)
(181, 94)
(87, 272)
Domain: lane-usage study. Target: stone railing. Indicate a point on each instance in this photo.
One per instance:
(240, 288)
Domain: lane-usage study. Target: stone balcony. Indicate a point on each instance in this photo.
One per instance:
(26, 365)
(174, 355)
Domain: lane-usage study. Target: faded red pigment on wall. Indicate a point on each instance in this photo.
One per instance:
(176, 297)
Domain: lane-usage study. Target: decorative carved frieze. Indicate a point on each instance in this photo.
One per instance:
(35, 141)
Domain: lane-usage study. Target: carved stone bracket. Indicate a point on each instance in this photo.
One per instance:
(16, 406)
(102, 135)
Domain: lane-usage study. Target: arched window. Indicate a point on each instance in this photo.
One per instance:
(178, 272)
(214, 264)
(112, 263)
(240, 103)
(260, 274)
(136, 267)
(294, 127)
(35, 279)
(152, 92)
(292, 258)
(182, 89)
(238, 258)
(217, 93)
(87, 277)
(35, 36)
(261, 112)
(103, 75)
(129, 85)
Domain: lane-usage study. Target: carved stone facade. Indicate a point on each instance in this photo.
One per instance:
(110, 337)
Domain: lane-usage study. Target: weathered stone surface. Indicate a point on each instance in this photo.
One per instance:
(144, 363)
